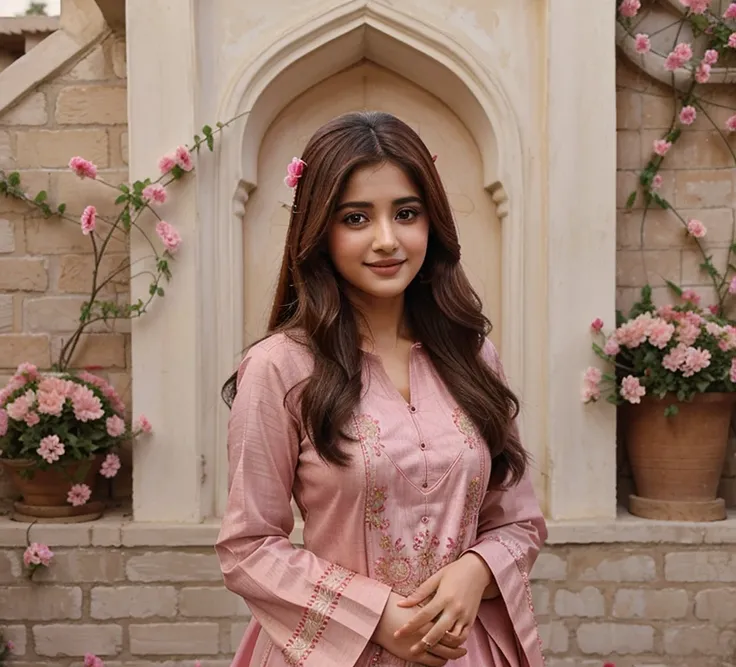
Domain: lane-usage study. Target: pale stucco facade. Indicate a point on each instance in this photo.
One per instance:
(528, 146)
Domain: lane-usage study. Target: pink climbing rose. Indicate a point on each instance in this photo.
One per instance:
(631, 389)
(730, 12)
(596, 325)
(143, 425)
(642, 43)
(696, 228)
(115, 426)
(37, 554)
(155, 193)
(661, 146)
(169, 236)
(166, 164)
(731, 124)
(702, 73)
(657, 182)
(630, 8)
(183, 158)
(710, 57)
(89, 220)
(688, 115)
(83, 168)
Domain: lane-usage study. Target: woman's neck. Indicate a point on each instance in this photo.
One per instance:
(381, 322)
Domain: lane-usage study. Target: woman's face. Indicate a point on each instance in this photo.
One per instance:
(378, 236)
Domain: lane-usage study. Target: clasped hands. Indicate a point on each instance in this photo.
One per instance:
(447, 605)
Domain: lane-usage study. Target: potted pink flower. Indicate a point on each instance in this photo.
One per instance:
(673, 369)
(58, 433)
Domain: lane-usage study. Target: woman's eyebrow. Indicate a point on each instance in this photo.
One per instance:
(366, 204)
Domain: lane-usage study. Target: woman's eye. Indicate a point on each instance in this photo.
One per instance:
(354, 219)
(407, 214)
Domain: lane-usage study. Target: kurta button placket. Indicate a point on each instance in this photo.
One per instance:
(425, 519)
(422, 445)
(412, 408)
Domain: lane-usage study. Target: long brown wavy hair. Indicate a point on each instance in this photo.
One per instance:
(442, 310)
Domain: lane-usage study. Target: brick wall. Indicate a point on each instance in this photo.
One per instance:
(45, 265)
(699, 179)
(640, 604)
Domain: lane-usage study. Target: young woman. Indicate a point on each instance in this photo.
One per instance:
(377, 402)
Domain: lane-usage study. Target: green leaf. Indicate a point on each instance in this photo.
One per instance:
(675, 288)
(699, 22)
(671, 410)
(14, 179)
(631, 200)
(160, 291)
(40, 197)
(152, 289)
(124, 188)
(121, 199)
(219, 124)
(210, 142)
(207, 130)
(61, 209)
(197, 138)
(138, 187)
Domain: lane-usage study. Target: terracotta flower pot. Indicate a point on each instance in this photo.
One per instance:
(677, 461)
(45, 491)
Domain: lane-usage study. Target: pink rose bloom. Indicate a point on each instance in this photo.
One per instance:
(672, 62)
(611, 348)
(631, 389)
(675, 360)
(142, 425)
(37, 554)
(294, 171)
(690, 296)
(710, 57)
(687, 333)
(730, 12)
(115, 426)
(714, 308)
(115, 400)
(661, 146)
(87, 407)
(684, 51)
(642, 43)
(593, 375)
(732, 40)
(89, 220)
(591, 385)
(3, 422)
(51, 448)
(183, 158)
(78, 495)
(50, 402)
(715, 330)
(110, 466)
(91, 660)
(27, 371)
(166, 164)
(729, 340)
(657, 182)
(83, 168)
(629, 8)
(633, 333)
(596, 325)
(660, 333)
(19, 408)
(732, 374)
(32, 418)
(696, 6)
(696, 228)
(731, 122)
(155, 193)
(169, 236)
(696, 359)
(688, 115)
(702, 73)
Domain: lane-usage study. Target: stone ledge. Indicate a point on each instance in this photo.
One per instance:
(117, 529)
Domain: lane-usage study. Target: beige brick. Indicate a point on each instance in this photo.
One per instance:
(10, 567)
(76, 640)
(106, 350)
(175, 638)
(85, 565)
(90, 68)
(18, 635)
(705, 188)
(698, 640)
(628, 149)
(555, 637)
(119, 64)
(717, 605)
(635, 268)
(24, 274)
(586, 603)
(628, 110)
(31, 110)
(54, 148)
(133, 602)
(708, 566)
(6, 313)
(663, 230)
(692, 260)
(237, 630)
(628, 180)
(693, 150)
(78, 193)
(7, 161)
(52, 313)
(211, 603)
(40, 603)
(92, 105)
(608, 638)
(173, 566)
(76, 273)
(650, 604)
(7, 236)
(657, 111)
(15, 349)
(540, 597)
(549, 567)
(57, 237)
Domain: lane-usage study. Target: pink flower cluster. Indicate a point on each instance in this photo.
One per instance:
(591, 384)
(696, 228)
(688, 359)
(642, 43)
(730, 12)
(51, 449)
(294, 171)
(181, 158)
(169, 236)
(78, 495)
(37, 555)
(155, 193)
(631, 389)
(696, 6)
(679, 56)
(630, 8)
(83, 168)
(688, 114)
(91, 660)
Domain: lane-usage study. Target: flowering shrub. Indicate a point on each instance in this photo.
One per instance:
(680, 350)
(54, 419)
(36, 556)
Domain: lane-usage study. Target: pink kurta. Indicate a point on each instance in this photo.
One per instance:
(412, 500)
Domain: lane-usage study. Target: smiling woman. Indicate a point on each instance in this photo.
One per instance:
(377, 402)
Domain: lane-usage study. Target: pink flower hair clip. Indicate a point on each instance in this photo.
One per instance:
(294, 172)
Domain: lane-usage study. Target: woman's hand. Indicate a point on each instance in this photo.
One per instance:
(456, 592)
(393, 618)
